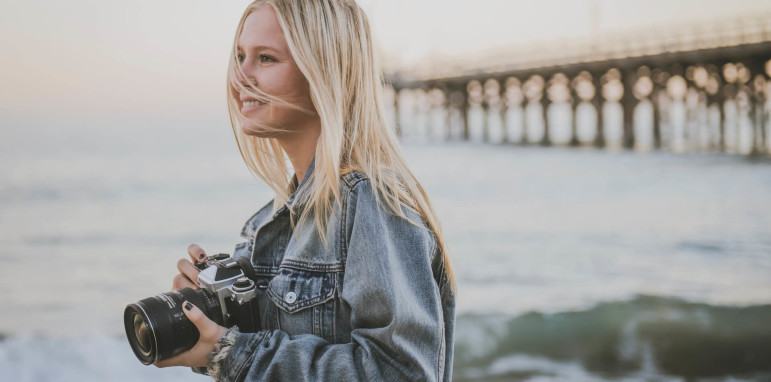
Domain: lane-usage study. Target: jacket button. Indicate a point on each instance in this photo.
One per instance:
(290, 297)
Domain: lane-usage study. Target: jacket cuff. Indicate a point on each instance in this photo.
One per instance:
(232, 354)
(220, 352)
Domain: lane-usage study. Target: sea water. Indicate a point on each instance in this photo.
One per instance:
(572, 264)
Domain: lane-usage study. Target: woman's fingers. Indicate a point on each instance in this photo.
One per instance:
(206, 327)
(210, 333)
(187, 269)
(197, 254)
(181, 282)
(188, 273)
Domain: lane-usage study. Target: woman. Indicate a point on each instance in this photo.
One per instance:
(355, 283)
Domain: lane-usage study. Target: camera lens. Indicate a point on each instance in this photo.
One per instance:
(157, 328)
(141, 333)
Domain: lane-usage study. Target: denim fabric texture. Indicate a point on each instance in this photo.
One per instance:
(373, 305)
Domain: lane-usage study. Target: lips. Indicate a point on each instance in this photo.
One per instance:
(251, 104)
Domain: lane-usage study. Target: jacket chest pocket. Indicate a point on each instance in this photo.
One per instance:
(304, 301)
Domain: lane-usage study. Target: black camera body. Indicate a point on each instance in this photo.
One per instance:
(157, 328)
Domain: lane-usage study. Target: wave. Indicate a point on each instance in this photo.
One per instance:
(643, 337)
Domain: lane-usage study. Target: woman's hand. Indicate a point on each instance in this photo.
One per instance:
(209, 331)
(188, 273)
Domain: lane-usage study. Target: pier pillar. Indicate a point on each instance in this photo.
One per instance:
(464, 114)
(544, 112)
(397, 120)
(574, 100)
(598, 104)
(628, 102)
(657, 91)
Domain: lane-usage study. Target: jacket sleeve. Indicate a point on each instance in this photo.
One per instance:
(396, 313)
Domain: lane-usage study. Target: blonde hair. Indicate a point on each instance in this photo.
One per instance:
(331, 44)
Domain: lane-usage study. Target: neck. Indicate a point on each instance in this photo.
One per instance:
(301, 148)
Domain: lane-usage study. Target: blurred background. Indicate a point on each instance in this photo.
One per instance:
(602, 171)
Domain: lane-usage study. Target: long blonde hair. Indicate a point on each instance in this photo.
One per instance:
(331, 43)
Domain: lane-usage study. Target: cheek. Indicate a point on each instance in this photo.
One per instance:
(302, 93)
(295, 85)
(279, 82)
(289, 84)
(297, 91)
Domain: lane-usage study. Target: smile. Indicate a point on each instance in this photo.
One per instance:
(248, 106)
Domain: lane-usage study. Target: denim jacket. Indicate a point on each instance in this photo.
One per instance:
(374, 305)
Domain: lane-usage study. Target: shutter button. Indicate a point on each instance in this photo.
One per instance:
(290, 297)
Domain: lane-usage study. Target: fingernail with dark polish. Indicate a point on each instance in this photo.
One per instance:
(201, 256)
(188, 306)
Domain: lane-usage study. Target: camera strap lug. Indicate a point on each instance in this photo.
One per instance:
(248, 268)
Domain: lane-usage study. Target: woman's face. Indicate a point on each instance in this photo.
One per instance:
(265, 59)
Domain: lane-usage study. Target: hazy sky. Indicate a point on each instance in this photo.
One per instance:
(110, 60)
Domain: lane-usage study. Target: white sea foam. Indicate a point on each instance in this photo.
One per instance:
(83, 359)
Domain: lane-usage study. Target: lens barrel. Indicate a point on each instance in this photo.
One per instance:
(157, 328)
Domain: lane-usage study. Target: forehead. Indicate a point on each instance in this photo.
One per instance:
(261, 28)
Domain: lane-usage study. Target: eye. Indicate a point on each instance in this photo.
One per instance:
(265, 58)
(240, 57)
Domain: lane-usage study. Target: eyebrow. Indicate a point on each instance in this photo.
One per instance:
(258, 48)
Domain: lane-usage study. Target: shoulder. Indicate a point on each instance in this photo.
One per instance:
(361, 192)
(351, 179)
(364, 206)
(358, 192)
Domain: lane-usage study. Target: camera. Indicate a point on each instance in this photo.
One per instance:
(157, 328)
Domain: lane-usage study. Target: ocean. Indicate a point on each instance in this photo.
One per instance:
(572, 263)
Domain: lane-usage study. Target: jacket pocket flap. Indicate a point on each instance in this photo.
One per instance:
(293, 290)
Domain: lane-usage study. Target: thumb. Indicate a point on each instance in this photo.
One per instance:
(196, 316)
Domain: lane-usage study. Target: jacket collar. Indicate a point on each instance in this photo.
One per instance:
(296, 207)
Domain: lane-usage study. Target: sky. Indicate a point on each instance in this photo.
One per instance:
(72, 62)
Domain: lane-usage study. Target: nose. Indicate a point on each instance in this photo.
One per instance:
(240, 75)
(243, 76)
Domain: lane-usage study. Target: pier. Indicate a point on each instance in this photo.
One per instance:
(686, 88)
